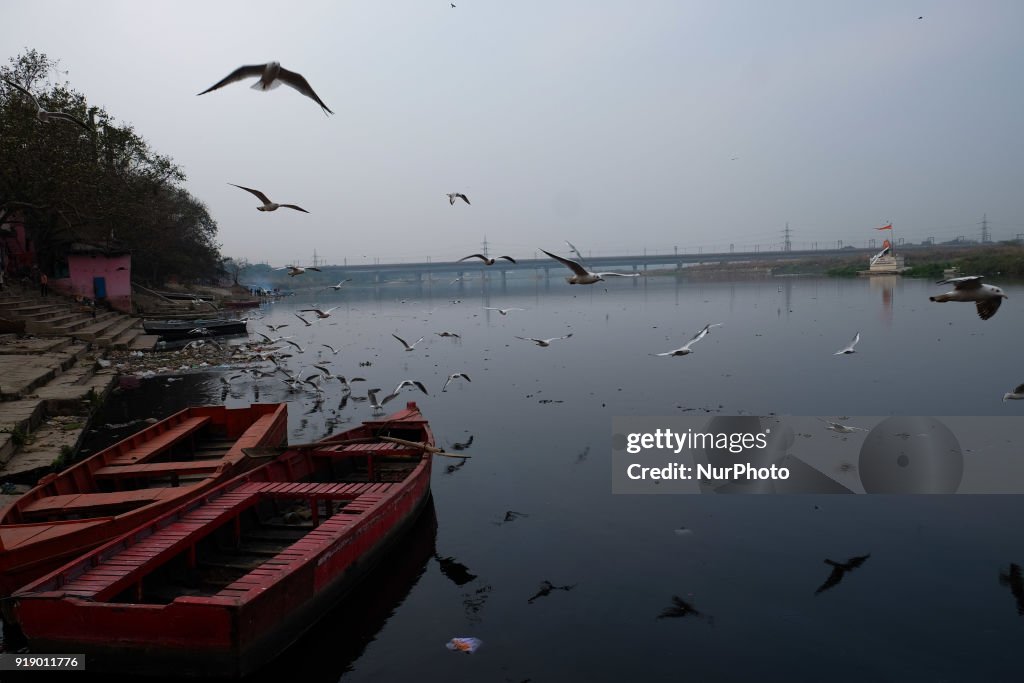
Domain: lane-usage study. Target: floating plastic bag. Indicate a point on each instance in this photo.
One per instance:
(467, 645)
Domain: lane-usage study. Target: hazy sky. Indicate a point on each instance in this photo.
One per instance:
(616, 125)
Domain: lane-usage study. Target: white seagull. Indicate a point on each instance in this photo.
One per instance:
(308, 324)
(408, 347)
(298, 270)
(575, 251)
(455, 375)
(275, 328)
(543, 343)
(582, 276)
(503, 311)
(333, 350)
(289, 341)
(487, 261)
(452, 196)
(685, 348)
(338, 286)
(319, 313)
(43, 115)
(969, 288)
(378, 406)
(408, 383)
(271, 75)
(345, 382)
(849, 347)
(1015, 395)
(267, 204)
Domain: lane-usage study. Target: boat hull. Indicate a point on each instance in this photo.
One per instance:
(32, 546)
(237, 629)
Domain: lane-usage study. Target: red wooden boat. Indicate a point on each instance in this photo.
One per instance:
(133, 481)
(223, 584)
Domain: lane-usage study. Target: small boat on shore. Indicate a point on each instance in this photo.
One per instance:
(221, 585)
(174, 330)
(130, 483)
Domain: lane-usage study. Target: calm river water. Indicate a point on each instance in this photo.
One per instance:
(927, 605)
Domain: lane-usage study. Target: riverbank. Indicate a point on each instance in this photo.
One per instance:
(1005, 259)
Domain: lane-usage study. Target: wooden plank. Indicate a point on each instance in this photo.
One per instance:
(161, 442)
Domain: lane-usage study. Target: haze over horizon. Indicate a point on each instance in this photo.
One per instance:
(617, 127)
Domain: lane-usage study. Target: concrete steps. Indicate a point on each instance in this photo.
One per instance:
(54, 316)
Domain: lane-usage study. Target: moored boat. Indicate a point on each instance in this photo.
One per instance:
(222, 584)
(129, 483)
(172, 330)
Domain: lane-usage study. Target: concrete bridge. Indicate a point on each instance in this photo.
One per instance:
(626, 263)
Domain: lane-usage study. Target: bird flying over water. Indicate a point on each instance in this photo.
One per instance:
(582, 276)
(333, 350)
(452, 196)
(543, 343)
(849, 347)
(408, 347)
(338, 286)
(503, 311)
(43, 115)
(298, 270)
(685, 348)
(267, 204)
(487, 261)
(455, 375)
(545, 589)
(319, 313)
(969, 288)
(681, 608)
(407, 383)
(448, 334)
(308, 324)
(271, 75)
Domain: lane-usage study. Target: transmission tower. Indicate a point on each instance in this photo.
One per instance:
(484, 247)
(787, 245)
(985, 237)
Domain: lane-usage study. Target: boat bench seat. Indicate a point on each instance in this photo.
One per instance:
(81, 502)
(161, 442)
(158, 469)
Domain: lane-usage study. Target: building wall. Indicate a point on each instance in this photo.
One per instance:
(83, 268)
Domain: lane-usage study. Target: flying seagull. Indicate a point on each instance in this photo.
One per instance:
(839, 571)
(452, 196)
(298, 270)
(333, 350)
(849, 348)
(582, 276)
(319, 314)
(407, 383)
(275, 328)
(503, 311)
(543, 343)
(338, 286)
(407, 346)
(969, 288)
(267, 204)
(685, 348)
(455, 375)
(1015, 395)
(308, 324)
(448, 334)
(43, 115)
(487, 261)
(271, 75)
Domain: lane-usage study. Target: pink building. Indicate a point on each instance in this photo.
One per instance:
(98, 273)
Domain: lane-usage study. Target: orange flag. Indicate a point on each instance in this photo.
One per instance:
(885, 227)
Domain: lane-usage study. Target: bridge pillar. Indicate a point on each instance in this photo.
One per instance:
(376, 277)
